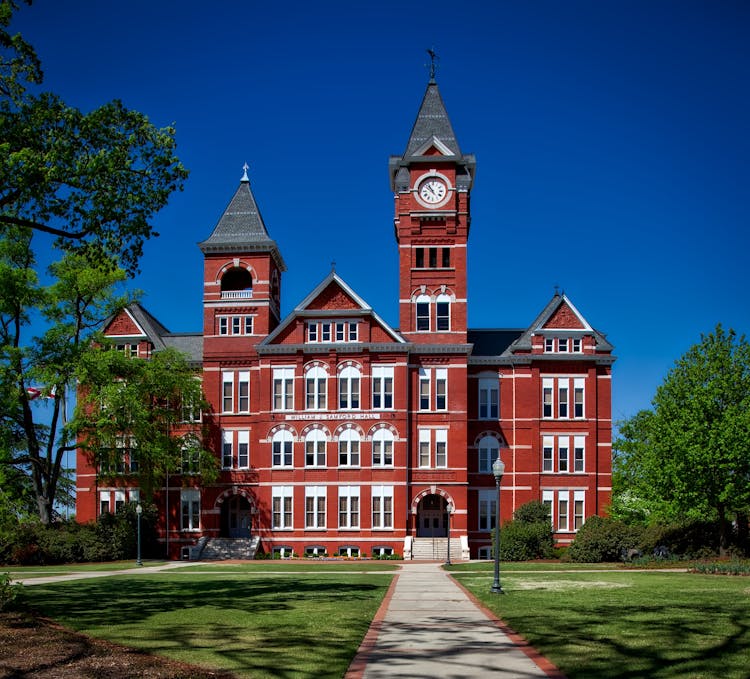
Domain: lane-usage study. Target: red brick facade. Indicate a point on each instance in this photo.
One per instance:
(337, 433)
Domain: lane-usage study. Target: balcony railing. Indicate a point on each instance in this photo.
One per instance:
(236, 294)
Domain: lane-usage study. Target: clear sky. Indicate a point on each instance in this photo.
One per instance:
(613, 155)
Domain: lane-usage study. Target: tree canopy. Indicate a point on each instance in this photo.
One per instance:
(86, 187)
(689, 456)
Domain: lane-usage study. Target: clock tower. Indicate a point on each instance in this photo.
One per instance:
(431, 182)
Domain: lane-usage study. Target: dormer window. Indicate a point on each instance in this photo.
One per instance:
(562, 345)
(332, 331)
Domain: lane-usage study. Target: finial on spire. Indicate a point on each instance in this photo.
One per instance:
(333, 266)
(433, 65)
(245, 178)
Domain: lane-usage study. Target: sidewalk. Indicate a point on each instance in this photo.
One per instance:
(429, 627)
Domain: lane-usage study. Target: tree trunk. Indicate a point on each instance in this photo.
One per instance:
(743, 532)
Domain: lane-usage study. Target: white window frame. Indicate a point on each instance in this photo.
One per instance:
(105, 499)
(487, 509)
(350, 448)
(424, 451)
(315, 446)
(382, 507)
(441, 389)
(190, 509)
(227, 385)
(243, 391)
(316, 388)
(579, 398)
(425, 390)
(563, 398)
(563, 511)
(579, 509)
(349, 507)
(283, 389)
(563, 454)
(441, 449)
(227, 449)
(422, 306)
(243, 449)
(579, 454)
(350, 388)
(282, 507)
(315, 507)
(443, 315)
(382, 448)
(382, 387)
(282, 449)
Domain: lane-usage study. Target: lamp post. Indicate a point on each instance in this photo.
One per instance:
(449, 510)
(138, 512)
(498, 469)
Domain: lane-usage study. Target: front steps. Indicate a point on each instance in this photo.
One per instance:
(435, 549)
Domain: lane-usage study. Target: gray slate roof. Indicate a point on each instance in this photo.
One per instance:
(241, 228)
(492, 342)
(432, 121)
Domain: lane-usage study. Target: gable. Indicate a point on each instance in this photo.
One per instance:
(564, 317)
(333, 298)
(123, 325)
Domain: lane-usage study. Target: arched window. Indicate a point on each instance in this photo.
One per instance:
(236, 282)
(315, 449)
(349, 448)
(489, 448)
(316, 389)
(443, 313)
(423, 313)
(282, 448)
(382, 448)
(349, 381)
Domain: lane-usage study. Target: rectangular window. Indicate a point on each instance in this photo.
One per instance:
(549, 345)
(419, 258)
(576, 345)
(441, 389)
(227, 392)
(446, 258)
(315, 451)
(190, 500)
(190, 456)
(223, 325)
(281, 507)
(424, 447)
(443, 316)
(282, 451)
(382, 387)
(489, 398)
(562, 398)
(562, 510)
(315, 507)
(283, 388)
(547, 388)
(227, 454)
(578, 508)
(562, 345)
(349, 390)
(487, 509)
(578, 385)
(325, 334)
(349, 507)
(579, 443)
(433, 258)
(547, 453)
(424, 389)
(236, 325)
(382, 506)
(353, 332)
(119, 499)
(548, 500)
(563, 443)
(340, 332)
(243, 391)
(312, 332)
(382, 451)
(243, 449)
(248, 325)
(315, 390)
(441, 448)
(349, 451)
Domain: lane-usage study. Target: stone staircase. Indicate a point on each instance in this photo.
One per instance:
(435, 549)
(221, 549)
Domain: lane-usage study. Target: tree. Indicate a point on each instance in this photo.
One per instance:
(689, 457)
(139, 417)
(89, 185)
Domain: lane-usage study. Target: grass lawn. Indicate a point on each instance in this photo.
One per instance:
(64, 569)
(627, 623)
(252, 624)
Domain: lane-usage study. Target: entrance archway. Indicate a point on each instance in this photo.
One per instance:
(432, 517)
(236, 517)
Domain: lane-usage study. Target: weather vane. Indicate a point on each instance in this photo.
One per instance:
(433, 66)
(245, 178)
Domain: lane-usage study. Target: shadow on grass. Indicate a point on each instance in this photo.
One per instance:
(264, 626)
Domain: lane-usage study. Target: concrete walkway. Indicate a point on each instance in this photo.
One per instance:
(86, 575)
(429, 627)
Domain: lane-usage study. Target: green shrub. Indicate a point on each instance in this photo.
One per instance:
(533, 512)
(8, 592)
(601, 539)
(521, 541)
(690, 540)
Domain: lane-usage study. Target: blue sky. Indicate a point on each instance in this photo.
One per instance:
(611, 140)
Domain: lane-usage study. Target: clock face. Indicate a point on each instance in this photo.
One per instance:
(432, 191)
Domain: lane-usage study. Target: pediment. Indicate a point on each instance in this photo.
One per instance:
(124, 325)
(434, 147)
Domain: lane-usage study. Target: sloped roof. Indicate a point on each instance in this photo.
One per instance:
(150, 327)
(492, 342)
(432, 122)
(241, 228)
(189, 343)
(304, 308)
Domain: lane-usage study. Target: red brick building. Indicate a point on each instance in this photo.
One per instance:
(339, 434)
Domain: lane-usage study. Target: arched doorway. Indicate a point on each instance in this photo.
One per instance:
(236, 517)
(432, 517)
